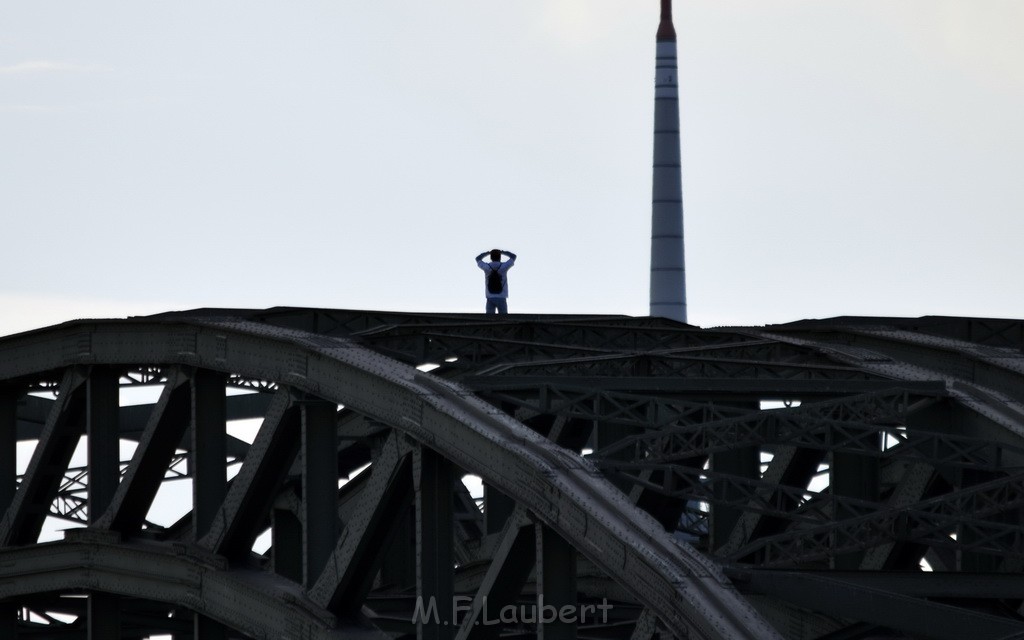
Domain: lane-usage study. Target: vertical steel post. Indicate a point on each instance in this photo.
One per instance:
(103, 433)
(557, 610)
(206, 629)
(209, 467)
(497, 508)
(286, 543)
(8, 445)
(319, 485)
(209, 448)
(9, 612)
(103, 446)
(968, 535)
(743, 462)
(399, 564)
(104, 616)
(854, 475)
(434, 478)
(605, 435)
(8, 484)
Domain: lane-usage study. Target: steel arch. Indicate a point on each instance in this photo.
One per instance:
(565, 493)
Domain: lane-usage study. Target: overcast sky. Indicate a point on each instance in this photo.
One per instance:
(839, 156)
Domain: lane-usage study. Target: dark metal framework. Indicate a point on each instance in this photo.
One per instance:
(848, 478)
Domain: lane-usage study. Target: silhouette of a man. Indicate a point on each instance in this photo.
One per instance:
(496, 280)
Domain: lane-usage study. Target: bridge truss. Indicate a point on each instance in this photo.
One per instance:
(301, 474)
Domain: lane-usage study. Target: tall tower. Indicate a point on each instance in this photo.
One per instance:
(668, 270)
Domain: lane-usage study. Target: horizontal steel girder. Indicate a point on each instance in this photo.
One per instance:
(253, 603)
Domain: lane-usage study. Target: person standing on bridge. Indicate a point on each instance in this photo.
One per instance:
(496, 280)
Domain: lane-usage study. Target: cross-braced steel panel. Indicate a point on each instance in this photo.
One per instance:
(301, 473)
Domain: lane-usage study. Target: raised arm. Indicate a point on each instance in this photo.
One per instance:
(480, 259)
(511, 256)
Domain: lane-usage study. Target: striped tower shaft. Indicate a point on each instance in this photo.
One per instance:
(668, 270)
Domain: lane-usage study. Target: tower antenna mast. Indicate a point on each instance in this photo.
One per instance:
(668, 267)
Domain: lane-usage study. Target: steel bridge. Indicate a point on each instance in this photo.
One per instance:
(359, 474)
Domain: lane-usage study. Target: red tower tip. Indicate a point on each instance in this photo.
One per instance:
(666, 32)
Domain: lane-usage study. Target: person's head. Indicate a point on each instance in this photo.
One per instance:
(495, 255)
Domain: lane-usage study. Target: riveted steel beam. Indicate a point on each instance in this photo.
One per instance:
(513, 560)
(286, 549)
(9, 398)
(23, 520)
(698, 386)
(319, 454)
(102, 431)
(164, 430)
(250, 497)
(357, 557)
(103, 617)
(9, 395)
(646, 626)
(888, 609)
(257, 605)
(997, 369)
(208, 428)
(808, 427)
(209, 447)
(789, 467)
(433, 480)
(557, 608)
(928, 522)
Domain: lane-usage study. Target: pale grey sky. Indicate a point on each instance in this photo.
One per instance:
(840, 156)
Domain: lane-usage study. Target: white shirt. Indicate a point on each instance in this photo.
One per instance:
(502, 268)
